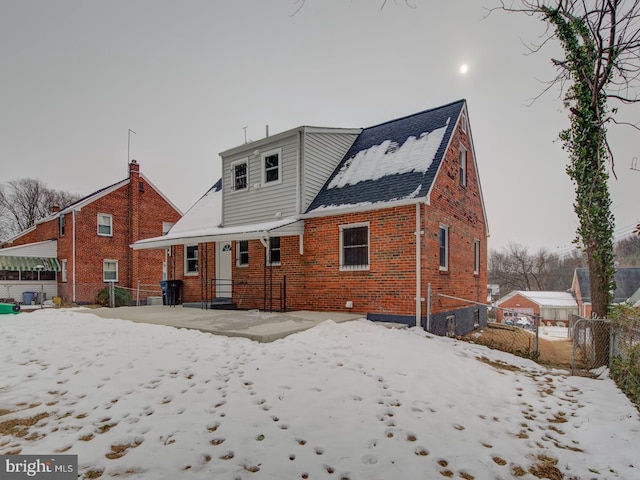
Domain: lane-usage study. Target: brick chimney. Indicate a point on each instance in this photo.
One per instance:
(135, 190)
(55, 208)
(134, 169)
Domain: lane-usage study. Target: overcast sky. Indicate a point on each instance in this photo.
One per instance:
(188, 76)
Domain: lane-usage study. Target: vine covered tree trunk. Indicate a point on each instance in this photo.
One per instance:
(585, 141)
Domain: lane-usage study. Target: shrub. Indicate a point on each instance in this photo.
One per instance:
(122, 297)
(625, 365)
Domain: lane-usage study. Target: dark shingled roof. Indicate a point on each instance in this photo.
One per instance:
(399, 185)
(627, 283)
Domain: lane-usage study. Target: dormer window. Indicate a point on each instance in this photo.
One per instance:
(271, 166)
(240, 174)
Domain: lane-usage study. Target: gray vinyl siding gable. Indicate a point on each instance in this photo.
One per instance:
(322, 154)
(259, 202)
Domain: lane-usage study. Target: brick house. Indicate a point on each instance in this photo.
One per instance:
(90, 239)
(366, 220)
(627, 287)
(549, 307)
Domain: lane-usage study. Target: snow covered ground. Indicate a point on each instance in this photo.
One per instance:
(340, 401)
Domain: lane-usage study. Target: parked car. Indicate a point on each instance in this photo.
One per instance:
(524, 322)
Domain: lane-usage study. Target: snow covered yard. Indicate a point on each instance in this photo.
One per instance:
(340, 401)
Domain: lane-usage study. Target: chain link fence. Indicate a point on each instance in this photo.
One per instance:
(521, 340)
(55, 294)
(591, 345)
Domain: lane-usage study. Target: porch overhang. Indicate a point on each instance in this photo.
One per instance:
(279, 228)
(29, 264)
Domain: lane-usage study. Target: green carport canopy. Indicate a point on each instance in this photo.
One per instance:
(29, 264)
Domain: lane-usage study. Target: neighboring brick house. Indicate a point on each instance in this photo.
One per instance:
(547, 306)
(93, 236)
(627, 286)
(366, 220)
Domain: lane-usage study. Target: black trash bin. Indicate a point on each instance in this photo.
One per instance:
(163, 286)
(174, 288)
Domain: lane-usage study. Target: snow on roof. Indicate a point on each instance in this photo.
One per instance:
(205, 214)
(390, 158)
(396, 161)
(203, 223)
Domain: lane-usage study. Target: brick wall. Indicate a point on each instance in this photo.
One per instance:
(459, 207)
(193, 286)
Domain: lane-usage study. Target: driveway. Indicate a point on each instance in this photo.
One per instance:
(253, 324)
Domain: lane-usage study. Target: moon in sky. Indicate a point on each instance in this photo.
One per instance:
(464, 68)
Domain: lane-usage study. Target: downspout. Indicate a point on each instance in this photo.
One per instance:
(299, 188)
(418, 267)
(73, 256)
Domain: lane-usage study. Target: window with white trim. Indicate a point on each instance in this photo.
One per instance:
(444, 247)
(63, 270)
(191, 260)
(240, 175)
(105, 225)
(463, 123)
(272, 166)
(62, 225)
(274, 251)
(463, 165)
(242, 253)
(476, 257)
(354, 246)
(110, 270)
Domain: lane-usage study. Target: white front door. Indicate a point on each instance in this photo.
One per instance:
(223, 270)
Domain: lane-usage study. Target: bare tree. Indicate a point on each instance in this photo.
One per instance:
(25, 201)
(514, 268)
(601, 45)
(628, 251)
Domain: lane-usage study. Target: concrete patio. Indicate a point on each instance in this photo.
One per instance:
(253, 324)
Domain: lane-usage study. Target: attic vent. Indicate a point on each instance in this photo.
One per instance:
(392, 148)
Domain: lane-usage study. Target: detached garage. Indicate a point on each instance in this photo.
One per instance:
(551, 307)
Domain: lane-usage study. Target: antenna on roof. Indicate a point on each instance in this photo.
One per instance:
(129, 145)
